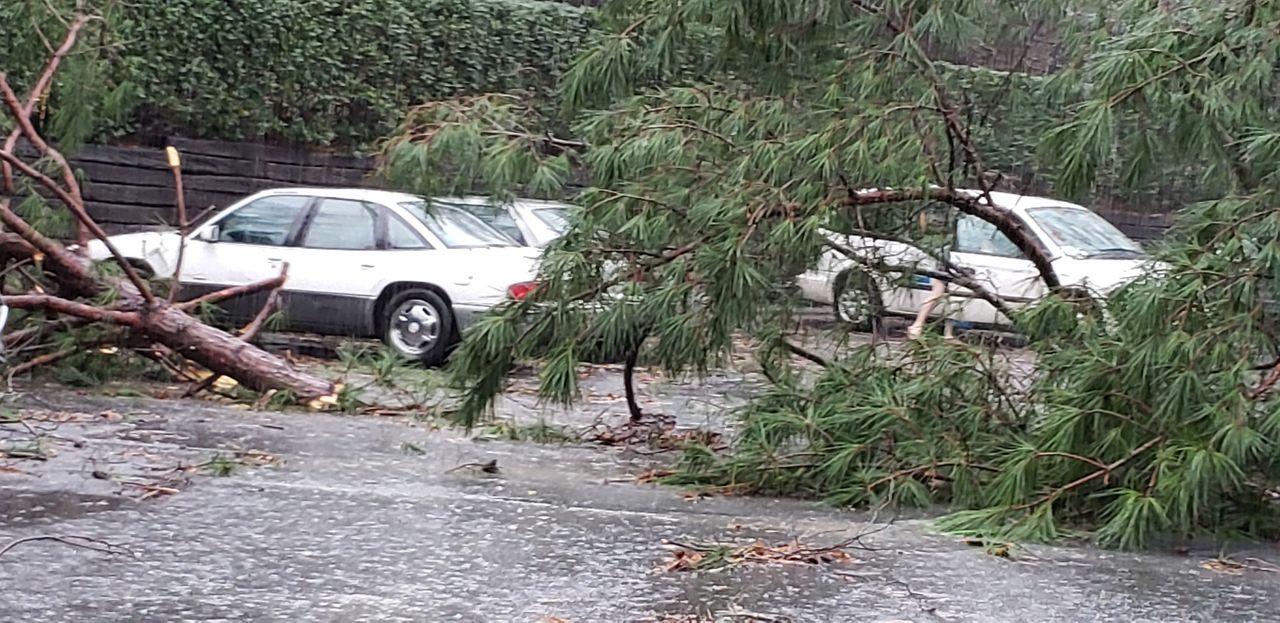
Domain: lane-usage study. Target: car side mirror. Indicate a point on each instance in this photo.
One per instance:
(208, 234)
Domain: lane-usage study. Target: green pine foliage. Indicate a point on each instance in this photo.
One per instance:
(706, 197)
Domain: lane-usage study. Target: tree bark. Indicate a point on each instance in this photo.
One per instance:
(230, 356)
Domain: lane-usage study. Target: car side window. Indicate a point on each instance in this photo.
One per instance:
(342, 224)
(267, 221)
(399, 236)
(974, 235)
(497, 217)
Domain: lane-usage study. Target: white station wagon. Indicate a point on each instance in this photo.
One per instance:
(362, 263)
(1088, 253)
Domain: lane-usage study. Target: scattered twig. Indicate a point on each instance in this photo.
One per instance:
(799, 351)
(82, 542)
(1227, 565)
(1105, 470)
(490, 467)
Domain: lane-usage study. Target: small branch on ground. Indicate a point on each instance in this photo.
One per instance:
(489, 467)
(804, 353)
(82, 542)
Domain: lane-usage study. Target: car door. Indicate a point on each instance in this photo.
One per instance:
(333, 273)
(996, 263)
(246, 245)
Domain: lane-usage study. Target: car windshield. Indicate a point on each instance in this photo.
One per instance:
(1081, 233)
(456, 228)
(555, 218)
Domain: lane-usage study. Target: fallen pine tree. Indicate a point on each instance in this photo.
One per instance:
(59, 281)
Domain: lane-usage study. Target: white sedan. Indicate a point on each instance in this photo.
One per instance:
(530, 222)
(361, 263)
(1088, 253)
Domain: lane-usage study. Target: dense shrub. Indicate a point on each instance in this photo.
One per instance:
(322, 71)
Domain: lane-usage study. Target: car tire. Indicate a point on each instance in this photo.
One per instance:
(856, 301)
(418, 325)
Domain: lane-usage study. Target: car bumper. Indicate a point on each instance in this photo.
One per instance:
(465, 315)
(815, 286)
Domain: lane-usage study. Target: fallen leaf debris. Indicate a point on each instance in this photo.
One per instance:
(709, 557)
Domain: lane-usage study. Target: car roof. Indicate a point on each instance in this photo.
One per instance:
(355, 194)
(1022, 203)
(392, 197)
(1009, 201)
(519, 202)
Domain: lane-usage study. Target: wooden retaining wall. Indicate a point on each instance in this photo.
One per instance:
(130, 188)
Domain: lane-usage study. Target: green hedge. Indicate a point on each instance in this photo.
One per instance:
(324, 71)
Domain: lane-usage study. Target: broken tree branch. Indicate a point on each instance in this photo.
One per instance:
(227, 294)
(1104, 471)
(59, 355)
(23, 121)
(76, 206)
(175, 165)
(250, 331)
(155, 321)
(72, 308)
(16, 338)
(39, 89)
(628, 384)
(804, 353)
(974, 204)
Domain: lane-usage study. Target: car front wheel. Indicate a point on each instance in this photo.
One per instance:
(418, 325)
(858, 302)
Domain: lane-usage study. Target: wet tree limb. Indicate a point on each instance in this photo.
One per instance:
(226, 294)
(974, 205)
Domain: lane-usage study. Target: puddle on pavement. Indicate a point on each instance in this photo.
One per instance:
(24, 507)
(199, 434)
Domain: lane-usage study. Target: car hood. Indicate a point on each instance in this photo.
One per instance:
(1104, 276)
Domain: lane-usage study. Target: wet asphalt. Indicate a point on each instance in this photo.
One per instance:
(346, 518)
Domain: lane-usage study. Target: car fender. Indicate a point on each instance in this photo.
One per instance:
(468, 277)
(158, 250)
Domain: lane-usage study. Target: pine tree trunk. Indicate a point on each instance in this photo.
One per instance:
(228, 355)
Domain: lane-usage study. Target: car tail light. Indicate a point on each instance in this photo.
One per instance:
(522, 290)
